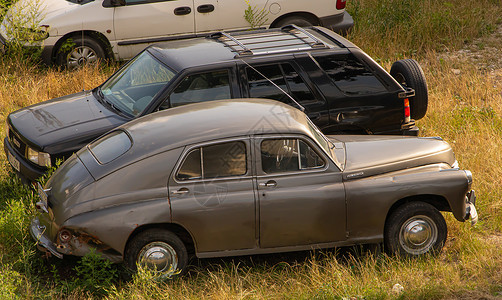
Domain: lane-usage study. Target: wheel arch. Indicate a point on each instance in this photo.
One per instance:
(437, 201)
(307, 15)
(178, 230)
(97, 36)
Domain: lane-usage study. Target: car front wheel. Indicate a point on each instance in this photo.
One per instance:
(77, 51)
(415, 229)
(159, 251)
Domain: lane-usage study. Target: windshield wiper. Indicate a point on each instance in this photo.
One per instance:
(102, 99)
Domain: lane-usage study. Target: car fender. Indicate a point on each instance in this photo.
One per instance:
(112, 226)
(370, 199)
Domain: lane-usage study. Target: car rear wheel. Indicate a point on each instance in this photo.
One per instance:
(297, 20)
(159, 251)
(409, 74)
(77, 51)
(415, 229)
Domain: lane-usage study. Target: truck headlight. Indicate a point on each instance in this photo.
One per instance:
(40, 158)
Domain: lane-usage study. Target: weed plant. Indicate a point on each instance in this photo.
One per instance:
(465, 109)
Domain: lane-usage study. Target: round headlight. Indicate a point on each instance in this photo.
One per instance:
(64, 236)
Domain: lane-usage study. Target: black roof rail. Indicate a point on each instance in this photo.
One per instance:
(317, 43)
(245, 50)
(288, 38)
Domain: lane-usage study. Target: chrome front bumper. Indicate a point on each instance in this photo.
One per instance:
(470, 211)
(37, 231)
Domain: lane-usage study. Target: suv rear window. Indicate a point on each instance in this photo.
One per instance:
(284, 76)
(350, 75)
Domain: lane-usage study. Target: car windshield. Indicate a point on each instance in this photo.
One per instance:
(132, 88)
(324, 142)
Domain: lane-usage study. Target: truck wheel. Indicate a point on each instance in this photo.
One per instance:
(297, 20)
(409, 74)
(158, 250)
(81, 51)
(414, 229)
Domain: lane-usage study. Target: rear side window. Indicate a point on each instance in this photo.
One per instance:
(350, 75)
(202, 87)
(110, 146)
(213, 161)
(284, 76)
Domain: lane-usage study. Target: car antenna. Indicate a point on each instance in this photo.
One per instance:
(289, 96)
(83, 67)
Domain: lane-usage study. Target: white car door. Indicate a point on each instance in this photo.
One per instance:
(215, 15)
(142, 22)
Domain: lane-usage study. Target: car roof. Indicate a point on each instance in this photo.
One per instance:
(206, 121)
(229, 46)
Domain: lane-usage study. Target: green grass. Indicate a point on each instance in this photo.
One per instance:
(465, 109)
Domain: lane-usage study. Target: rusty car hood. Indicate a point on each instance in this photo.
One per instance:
(372, 155)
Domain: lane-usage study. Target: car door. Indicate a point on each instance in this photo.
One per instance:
(216, 15)
(356, 96)
(140, 22)
(301, 193)
(212, 195)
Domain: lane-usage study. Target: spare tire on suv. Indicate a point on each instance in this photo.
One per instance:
(409, 74)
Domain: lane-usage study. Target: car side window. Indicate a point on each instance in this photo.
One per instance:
(288, 155)
(201, 87)
(214, 161)
(350, 75)
(284, 76)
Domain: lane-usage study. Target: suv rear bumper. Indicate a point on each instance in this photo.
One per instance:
(340, 23)
(411, 130)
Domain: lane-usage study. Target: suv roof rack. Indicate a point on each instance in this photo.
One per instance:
(289, 38)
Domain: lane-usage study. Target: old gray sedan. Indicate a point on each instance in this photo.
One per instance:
(241, 177)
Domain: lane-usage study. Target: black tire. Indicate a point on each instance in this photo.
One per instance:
(415, 229)
(85, 51)
(409, 74)
(157, 242)
(297, 20)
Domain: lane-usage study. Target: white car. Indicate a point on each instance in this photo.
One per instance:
(74, 32)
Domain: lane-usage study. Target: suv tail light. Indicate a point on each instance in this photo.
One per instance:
(340, 4)
(407, 111)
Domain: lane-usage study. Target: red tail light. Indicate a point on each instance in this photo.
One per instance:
(340, 4)
(407, 111)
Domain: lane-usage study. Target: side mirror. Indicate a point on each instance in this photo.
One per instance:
(113, 3)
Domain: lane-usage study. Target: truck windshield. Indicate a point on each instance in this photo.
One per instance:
(132, 88)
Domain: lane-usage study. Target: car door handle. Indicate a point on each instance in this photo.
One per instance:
(181, 191)
(184, 10)
(205, 8)
(270, 183)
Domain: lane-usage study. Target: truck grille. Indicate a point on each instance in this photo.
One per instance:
(16, 143)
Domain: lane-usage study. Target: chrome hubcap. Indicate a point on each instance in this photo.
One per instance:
(159, 257)
(80, 56)
(418, 235)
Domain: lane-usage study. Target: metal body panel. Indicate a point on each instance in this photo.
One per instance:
(369, 200)
(218, 212)
(300, 208)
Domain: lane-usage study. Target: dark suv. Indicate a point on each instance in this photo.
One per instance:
(340, 88)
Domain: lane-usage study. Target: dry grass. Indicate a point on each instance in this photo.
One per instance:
(465, 109)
